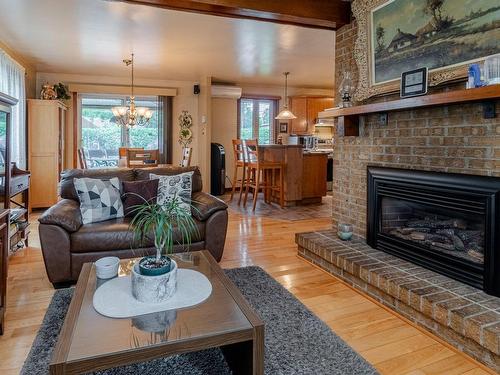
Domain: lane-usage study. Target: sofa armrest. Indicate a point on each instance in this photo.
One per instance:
(216, 231)
(56, 250)
(65, 214)
(205, 205)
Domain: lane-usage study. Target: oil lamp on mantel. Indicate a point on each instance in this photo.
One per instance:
(346, 90)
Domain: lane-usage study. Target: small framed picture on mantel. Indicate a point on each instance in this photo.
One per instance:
(414, 82)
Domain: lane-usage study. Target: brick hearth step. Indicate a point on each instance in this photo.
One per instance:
(463, 316)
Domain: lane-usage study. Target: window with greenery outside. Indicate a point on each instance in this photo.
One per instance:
(101, 137)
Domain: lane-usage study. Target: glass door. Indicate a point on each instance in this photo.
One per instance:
(101, 137)
(257, 120)
(145, 136)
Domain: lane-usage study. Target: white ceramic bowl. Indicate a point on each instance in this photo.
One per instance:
(107, 267)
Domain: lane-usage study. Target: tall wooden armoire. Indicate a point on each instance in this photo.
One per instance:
(46, 130)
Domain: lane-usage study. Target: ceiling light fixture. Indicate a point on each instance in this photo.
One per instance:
(131, 115)
(285, 113)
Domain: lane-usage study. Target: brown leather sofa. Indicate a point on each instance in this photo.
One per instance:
(67, 244)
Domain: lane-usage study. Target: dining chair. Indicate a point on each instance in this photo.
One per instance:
(186, 156)
(142, 158)
(262, 174)
(122, 155)
(239, 162)
(82, 159)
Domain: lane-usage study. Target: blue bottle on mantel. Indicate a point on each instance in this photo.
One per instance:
(474, 77)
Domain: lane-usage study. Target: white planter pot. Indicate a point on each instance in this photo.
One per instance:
(154, 289)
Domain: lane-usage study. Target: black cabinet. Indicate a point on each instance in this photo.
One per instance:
(218, 166)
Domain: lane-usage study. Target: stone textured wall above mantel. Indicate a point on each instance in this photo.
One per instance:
(453, 139)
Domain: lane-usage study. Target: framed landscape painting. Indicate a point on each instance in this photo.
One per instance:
(445, 36)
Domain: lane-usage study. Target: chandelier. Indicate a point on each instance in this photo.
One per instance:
(131, 115)
(285, 113)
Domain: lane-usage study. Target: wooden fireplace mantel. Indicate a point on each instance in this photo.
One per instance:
(348, 118)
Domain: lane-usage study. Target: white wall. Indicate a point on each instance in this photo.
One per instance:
(224, 129)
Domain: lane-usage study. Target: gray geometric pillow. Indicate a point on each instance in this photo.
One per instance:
(99, 199)
(178, 186)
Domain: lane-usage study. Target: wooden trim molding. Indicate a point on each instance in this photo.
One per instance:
(74, 102)
(485, 93)
(88, 88)
(319, 14)
(238, 118)
(348, 119)
(261, 97)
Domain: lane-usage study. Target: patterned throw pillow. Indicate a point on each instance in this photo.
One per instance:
(178, 186)
(99, 199)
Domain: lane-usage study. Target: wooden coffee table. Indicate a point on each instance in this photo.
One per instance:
(90, 341)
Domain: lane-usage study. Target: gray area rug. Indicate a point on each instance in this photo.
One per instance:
(296, 341)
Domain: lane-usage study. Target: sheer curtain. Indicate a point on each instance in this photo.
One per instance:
(12, 82)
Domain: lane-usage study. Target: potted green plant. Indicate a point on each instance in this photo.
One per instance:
(154, 278)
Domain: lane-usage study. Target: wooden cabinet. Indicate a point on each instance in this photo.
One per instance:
(298, 105)
(46, 125)
(306, 108)
(13, 182)
(4, 255)
(314, 173)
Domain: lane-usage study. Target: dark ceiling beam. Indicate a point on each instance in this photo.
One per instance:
(320, 14)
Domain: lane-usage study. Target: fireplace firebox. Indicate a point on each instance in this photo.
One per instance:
(449, 223)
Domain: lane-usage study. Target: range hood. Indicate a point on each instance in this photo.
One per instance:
(324, 122)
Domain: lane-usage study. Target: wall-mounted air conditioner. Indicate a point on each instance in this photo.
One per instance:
(226, 92)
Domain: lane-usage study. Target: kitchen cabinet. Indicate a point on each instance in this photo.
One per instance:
(306, 108)
(298, 105)
(314, 175)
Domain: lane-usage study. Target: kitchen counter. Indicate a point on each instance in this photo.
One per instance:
(312, 152)
(281, 146)
(305, 172)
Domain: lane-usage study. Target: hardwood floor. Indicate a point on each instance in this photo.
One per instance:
(386, 340)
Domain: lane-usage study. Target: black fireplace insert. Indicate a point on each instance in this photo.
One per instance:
(449, 223)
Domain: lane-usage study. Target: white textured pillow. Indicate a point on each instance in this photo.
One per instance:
(177, 186)
(99, 199)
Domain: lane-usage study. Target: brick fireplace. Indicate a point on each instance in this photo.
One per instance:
(449, 223)
(447, 139)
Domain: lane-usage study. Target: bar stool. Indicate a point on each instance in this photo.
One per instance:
(239, 162)
(261, 174)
